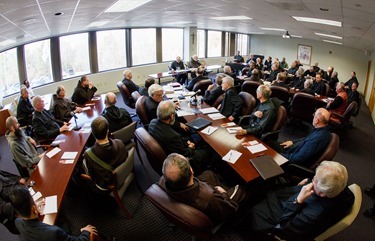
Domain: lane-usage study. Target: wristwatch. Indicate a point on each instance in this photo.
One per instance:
(296, 202)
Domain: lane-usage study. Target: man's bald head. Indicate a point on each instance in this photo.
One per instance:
(110, 99)
(177, 172)
(322, 116)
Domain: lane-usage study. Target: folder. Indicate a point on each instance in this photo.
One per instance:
(199, 123)
(266, 166)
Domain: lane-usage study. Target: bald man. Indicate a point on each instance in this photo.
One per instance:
(128, 82)
(116, 117)
(306, 151)
(62, 108)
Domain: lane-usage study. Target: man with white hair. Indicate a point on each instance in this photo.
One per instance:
(304, 211)
(231, 106)
(128, 82)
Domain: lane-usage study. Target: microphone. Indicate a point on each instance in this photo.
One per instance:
(195, 94)
(76, 128)
(193, 99)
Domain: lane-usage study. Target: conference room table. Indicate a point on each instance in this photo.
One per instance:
(52, 176)
(222, 142)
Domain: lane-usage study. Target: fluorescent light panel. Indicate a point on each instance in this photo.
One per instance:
(318, 20)
(232, 18)
(125, 5)
(274, 29)
(332, 42)
(328, 35)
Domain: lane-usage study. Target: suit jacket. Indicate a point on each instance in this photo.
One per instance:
(45, 125)
(258, 126)
(62, 108)
(194, 81)
(211, 95)
(353, 96)
(7, 182)
(319, 88)
(231, 104)
(36, 230)
(24, 110)
(130, 85)
(83, 94)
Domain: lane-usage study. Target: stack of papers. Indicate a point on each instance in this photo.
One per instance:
(184, 113)
(95, 98)
(216, 116)
(69, 155)
(233, 130)
(209, 130)
(256, 148)
(209, 110)
(53, 152)
(232, 156)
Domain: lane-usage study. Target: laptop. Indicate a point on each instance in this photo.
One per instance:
(199, 123)
(266, 166)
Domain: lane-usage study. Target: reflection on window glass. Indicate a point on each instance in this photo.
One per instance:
(242, 43)
(111, 49)
(38, 63)
(143, 46)
(9, 78)
(214, 44)
(172, 43)
(74, 50)
(201, 39)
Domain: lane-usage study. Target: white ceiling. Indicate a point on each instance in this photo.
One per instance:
(29, 20)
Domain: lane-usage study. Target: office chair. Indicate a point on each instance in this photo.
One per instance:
(141, 111)
(338, 121)
(280, 92)
(250, 87)
(218, 101)
(302, 107)
(273, 133)
(202, 85)
(356, 111)
(249, 103)
(126, 95)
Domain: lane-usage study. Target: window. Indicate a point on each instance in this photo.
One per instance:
(111, 49)
(38, 63)
(242, 43)
(9, 78)
(172, 43)
(227, 44)
(143, 46)
(201, 39)
(214, 44)
(74, 50)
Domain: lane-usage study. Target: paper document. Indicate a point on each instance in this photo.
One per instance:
(184, 113)
(87, 125)
(232, 156)
(69, 155)
(229, 124)
(209, 110)
(50, 205)
(216, 116)
(37, 195)
(209, 130)
(86, 108)
(95, 98)
(53, 152)
(256, 148)
(66, 161)
(233, 130)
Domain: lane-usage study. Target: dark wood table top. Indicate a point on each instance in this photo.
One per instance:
(222, 142)
(50, 176)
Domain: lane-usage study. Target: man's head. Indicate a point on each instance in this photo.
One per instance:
(128, 74)
(308, 83)
(178, 59)
(263, 92)
(156, 92)
(300, 72)
(281, 77)
(321, 118)
(354, 86)
(84, 81)
(259, 60)
(13, 126)
(195, 57)
(228, 82)
(293, 64)
(38, 103)
(149, 81)
(255, 72)
(340, 87)
(316, 64)
(227, 69)
(60, 91)
(26, 83)
(311, 69)
(275, 66)
(335, 74)
(330, 69)
(166, 112)
(177, 172)
(99, 128)
(200, 70)
(252, 65)
(110, 99)
(24, 93)
(353, 74)
(238, 52)
(219, 79)
(330, 179)
(251, 56)
(318, 77)
(22, 201)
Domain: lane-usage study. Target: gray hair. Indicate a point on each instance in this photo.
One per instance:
(153, 88)
(229, 80)
(127, 72)
(300, 71)
(36, 100)
(265, 90)
(331, 178)
(308, 83)
(183, 165)
(219, 78)
(165, 109)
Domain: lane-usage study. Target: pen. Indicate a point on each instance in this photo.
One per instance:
(230, 155)
(208, 130)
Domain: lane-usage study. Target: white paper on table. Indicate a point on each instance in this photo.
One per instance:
(229, 124)
(66, 161)
(57, 142)
(95, 98)
(209, 110)
(233, 130)
(254, 142)
(71, 127)
(184, 113)
(31, 190)
(256, 148)
(86, 108)
(172, 96)
(53, 152)
(50, 205)
(281, 160)
(209, 130)
(69, 155)
(232, 156)
(37, 195)
(216, 116)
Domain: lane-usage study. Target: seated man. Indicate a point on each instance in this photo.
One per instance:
(263, 115)
(308, 87)
(148, 82)
(310, 72)
(283, 64)
(303, 212)
(352, 80)
(116, 117)
(7, 213)
(178, 64)
(275, 70)
(339, 104)
(231, 106)
(193, 64)
(319, 86)
(199, 77)
(22, 147)
(128, 82)
(26, 83)
(204, 192)
(252, 67)
(333, 80)
(280, 81)
(353, 94)
(173, 142)
(84, 91)
(212, 92)
(250, 58)
(62, 109)
(29, 225)
(238, 58)
(255, 76)
(293, 68)
(105, 152)
(299, 80)
(24, 108)
(44, 124)
(307, 150)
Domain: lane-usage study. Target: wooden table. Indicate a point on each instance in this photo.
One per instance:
(51, 177)
(222, 142)
(4, 114)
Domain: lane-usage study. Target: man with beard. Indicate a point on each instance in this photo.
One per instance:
(21, 146)
(84, 91)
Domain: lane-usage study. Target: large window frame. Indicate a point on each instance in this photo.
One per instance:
(9, 75)
(214, 43)
(143, 44)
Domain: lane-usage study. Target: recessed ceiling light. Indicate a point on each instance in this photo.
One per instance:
(7, 42)
(59, 14)
(332, 42)
(274, 29)
(125, 5)
(232, 18)
(328, 35)
(318, 20)
(324, 9)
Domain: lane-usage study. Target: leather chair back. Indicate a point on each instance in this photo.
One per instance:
(126, 95)
(218, 101)
(250, 87)
(280, 119)
(280, 92)
(303, 106)
(141, 111)
(126, 134)
(356, 111)
(328, 90)
(154, 152)
(135, 95)
(249, 102)
(339, 121)
(245, 70)
(330, 151)
(202, 85)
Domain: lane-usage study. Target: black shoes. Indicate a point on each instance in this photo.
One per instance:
(370, 191)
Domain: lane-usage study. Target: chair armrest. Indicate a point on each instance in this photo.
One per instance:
(269, 134)
(242, 118)
(337, 115)
(299, 171)
(86, 177)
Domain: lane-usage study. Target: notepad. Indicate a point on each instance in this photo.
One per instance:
(86, 108)
(184, 113)
(256, 148)
(53, 152)
(216, 116)
(50, 205)
(95, 98)
(209, 130)
(69, 155)
(209, 110)
(266, 166)
(233, 130)
(232, 156)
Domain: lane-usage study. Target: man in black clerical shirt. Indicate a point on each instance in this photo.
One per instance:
(84, 91)
(177, 65)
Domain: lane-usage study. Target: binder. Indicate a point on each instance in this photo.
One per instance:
(266, 166)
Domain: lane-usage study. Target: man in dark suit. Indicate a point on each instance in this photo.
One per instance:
(84, 91)
(24, 108)
(353, 94)
(116, 117)
(178, 64)
(128, 82)
(212, 92)
(231, 106)
(319, 86)
(238, 58)
(200, 76)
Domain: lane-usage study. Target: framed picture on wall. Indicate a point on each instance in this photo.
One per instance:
(304, 54)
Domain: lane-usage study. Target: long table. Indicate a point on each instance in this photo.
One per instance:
(51, 177)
